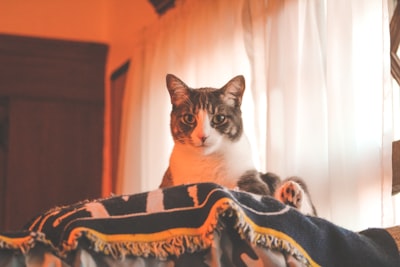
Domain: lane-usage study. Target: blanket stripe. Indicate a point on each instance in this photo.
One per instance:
(169, 222)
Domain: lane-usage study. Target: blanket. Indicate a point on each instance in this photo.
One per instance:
(166, 224)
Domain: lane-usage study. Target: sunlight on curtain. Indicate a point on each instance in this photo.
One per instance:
(328, 98)
(290, 34)
(362, 135)
(318, 102)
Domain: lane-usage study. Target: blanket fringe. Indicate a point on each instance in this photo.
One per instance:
(159, 249)
(180, 244)
(164, 248)
(22, 244)
(262, 239)
(171, 245)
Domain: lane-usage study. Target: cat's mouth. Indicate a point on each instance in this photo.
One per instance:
(205, 148)
(202, 145)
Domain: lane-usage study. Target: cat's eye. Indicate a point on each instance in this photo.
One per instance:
(218, 119)
(189, 119)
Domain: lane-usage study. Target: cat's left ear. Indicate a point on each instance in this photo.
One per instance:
(233, 91)
(178, 90)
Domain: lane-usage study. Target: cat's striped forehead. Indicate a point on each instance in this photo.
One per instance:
(231, 93)
(208, 99)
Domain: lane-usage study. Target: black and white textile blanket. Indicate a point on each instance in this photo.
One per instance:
(198, 224)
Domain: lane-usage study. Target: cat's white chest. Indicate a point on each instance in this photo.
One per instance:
(223, 167)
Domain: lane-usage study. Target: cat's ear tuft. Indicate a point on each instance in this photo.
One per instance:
(178, 90)
(233, 91)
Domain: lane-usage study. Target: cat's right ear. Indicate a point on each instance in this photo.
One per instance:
(178, 90)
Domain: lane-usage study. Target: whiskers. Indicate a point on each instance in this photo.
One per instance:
(181, 139)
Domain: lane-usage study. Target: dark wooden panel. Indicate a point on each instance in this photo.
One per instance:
(54, 95)
(56, 156)
(51, 68)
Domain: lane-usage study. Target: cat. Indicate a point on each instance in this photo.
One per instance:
(210, 145)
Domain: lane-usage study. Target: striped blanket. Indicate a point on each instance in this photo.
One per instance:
(170, 224)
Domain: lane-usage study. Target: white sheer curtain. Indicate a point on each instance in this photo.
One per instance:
(318, 99)
(327, 74)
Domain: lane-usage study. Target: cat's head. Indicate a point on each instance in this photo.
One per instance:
(206, 118)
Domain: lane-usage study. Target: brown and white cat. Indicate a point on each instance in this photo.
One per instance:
(210, 146)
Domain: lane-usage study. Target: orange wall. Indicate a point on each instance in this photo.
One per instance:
(127, 18)
(113, 22)
(81, 20)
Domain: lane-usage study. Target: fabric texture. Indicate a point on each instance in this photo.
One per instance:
(203, 223)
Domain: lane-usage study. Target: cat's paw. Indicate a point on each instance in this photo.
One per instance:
(293, 193)
(290, 193)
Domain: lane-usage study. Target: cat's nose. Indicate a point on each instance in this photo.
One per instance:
(203, 138)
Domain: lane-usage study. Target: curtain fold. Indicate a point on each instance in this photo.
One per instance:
(317, 103)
